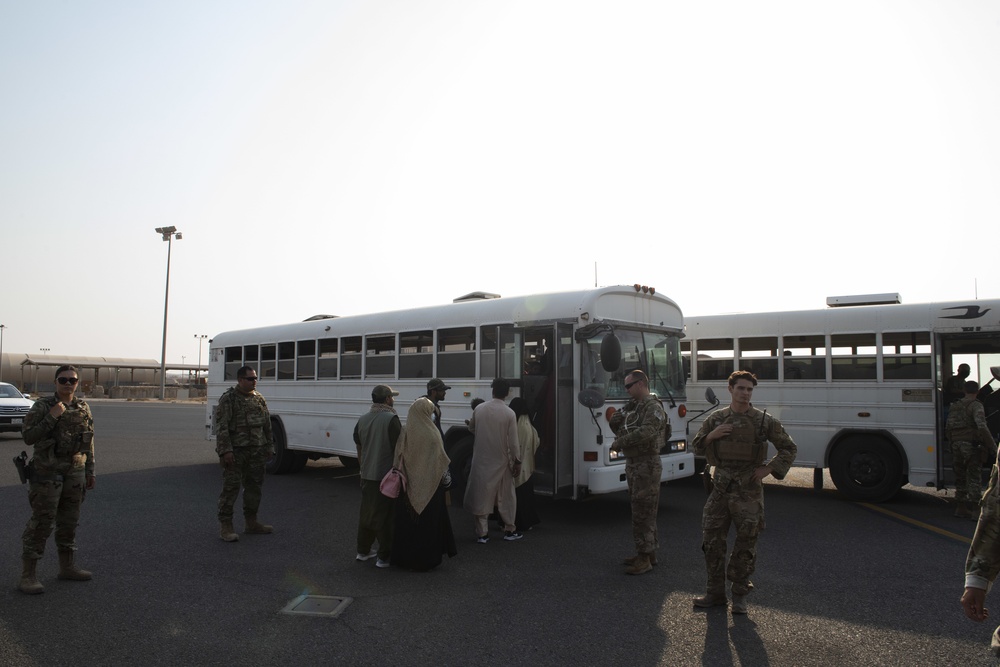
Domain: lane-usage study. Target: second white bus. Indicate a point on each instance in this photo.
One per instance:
(859, 387)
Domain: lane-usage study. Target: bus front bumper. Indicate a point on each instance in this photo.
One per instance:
(610, 479)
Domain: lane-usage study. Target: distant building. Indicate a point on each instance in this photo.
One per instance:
(34, 373)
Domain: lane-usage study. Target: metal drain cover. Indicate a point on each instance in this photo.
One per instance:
(329, 606)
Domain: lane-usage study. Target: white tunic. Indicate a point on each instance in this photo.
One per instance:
(491, 482)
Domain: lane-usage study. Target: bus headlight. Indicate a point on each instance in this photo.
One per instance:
(674, 446)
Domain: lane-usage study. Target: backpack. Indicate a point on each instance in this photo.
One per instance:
(959, 418)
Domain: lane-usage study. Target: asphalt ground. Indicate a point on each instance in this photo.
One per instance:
(837, 582)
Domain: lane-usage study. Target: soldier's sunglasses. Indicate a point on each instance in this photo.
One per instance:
(250, 378)
(68, 380)
(628, 385)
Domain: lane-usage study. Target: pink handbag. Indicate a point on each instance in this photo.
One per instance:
(392, 484)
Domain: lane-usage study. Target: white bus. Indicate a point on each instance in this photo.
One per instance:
(858, 387)
(566, 354)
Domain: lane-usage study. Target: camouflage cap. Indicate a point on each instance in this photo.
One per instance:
(382, 392)
(437, 385)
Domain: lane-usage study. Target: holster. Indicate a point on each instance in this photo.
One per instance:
(23, 469)
(706, 479)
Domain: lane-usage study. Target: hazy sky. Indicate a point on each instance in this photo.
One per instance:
(351, 157)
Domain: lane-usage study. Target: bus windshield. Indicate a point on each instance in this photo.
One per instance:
(656, 353)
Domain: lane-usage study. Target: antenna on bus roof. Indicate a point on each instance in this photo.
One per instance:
(864, 300)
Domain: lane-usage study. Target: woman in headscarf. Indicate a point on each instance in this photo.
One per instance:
(422, 531)
(524, 487)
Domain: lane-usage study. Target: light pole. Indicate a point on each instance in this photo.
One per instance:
(201, 339)
(2, 327)
(168, 234)
(44, 350)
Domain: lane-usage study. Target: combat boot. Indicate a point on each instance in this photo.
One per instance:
(739, 604)
(256, 528)
(227, 533)
(67, 570)
(631, 561)
(711, 599)
(29, 582)
(640, 565)
(962, 510)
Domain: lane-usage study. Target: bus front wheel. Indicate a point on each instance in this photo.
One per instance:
(866, 469)
(349, 462)
(461, 467)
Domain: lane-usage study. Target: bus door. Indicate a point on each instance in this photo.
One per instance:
(980, 350)
(540, 363)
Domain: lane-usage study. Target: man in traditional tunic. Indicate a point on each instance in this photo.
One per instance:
(495, 464)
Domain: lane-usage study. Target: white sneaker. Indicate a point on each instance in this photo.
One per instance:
(363, 557)
(381, 563)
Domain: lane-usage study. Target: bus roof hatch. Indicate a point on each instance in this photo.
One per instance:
(864, 300)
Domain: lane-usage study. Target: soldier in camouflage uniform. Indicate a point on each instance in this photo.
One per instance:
(970, 438)
(244, 442)
(638, 429)
(61, 429)
(734, 440)
(983, 562)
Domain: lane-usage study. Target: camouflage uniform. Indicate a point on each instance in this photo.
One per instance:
(61, 460)
(967, 431)
(736, 497)
(243, 427)
(983, 561)
(639, 428)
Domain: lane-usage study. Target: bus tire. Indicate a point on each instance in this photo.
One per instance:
(349, 462)
(299, 461)
(282, 460)
(866, 468)
(461, 466)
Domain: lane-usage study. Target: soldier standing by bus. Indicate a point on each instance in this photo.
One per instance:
(61, 429)
(734, 440)
(983, 561)
(244, 442)
(638, 429)
(969, 436)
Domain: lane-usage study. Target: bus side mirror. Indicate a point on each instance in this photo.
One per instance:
(711, 397)
(590, 398)
(611, 353)
(995, 370)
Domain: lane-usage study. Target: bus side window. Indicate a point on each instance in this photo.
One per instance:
(715, 358)
(415, 357)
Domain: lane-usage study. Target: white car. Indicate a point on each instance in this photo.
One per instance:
(13, 408)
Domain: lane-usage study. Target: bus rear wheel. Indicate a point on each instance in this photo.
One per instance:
(283, 459)
(866, 469)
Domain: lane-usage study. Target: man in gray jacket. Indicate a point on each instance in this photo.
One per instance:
(375, 436)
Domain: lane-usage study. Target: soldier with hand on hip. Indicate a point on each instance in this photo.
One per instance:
(734, 440)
